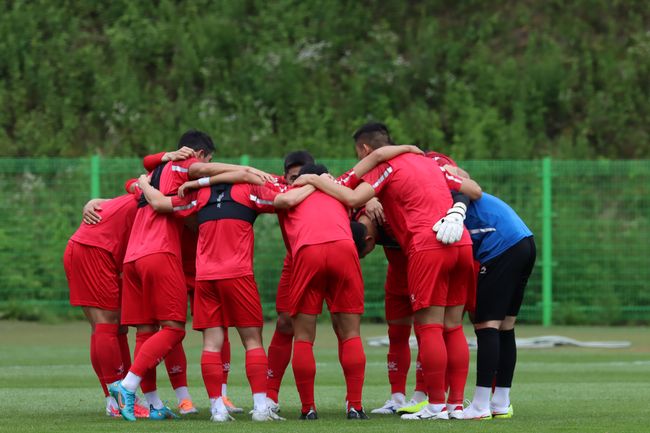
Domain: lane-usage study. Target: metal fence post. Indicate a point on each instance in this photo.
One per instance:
(94, 177)
(244, 160)
(547, 242)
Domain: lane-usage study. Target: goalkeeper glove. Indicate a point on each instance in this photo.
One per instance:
(450, 227)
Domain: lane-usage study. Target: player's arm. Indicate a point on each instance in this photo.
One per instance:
(158, 201)
(383, 154)
(457, 181)
(293, 197)
(238, 176)
(90, 211)
(349, 197)
(150, 162)
(450, 228)
(208, 169)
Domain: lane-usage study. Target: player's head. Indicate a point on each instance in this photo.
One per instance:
(369, 137)
(293, 162)
(364, 234)
(200, 142)
(312, 168)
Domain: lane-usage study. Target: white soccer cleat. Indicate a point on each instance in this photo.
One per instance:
(389, 408)
(275, 407)
(426, 414)
(455, 411)
(471, 412)
(231, 406)
(266, 415)
(221, 417)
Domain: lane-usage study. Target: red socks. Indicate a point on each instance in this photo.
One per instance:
(176, 364)
(107, 351)
(225, 355)
(125, 352)
(457, 364)
(155, 349)
(257, 367)
(304, 371)
(399, 357)
(279, 358)
(434, 360)
(353, 361)
(212, 371)
(94, 361)
(148, 383)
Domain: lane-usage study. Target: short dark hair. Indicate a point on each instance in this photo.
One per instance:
(312, 168)
(298, 157)
(197, 140)
(359, 232)
(374, 134)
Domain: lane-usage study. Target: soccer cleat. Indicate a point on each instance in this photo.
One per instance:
(308, 416)
(472, 412)
(266, 415)
(275, 407)
(186, 407)
(497, 413)
(455, 411)
(230, 406)
(412, 406)
(426, 414)
(140, 411)
(357, 414)
(112, 411)
(389, 408)
(161, 414)
(125, 400)
(221, 417)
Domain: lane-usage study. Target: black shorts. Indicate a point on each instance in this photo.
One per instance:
(502, 280)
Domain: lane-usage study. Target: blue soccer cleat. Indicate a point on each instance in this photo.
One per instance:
(125, 400)
(161, 414)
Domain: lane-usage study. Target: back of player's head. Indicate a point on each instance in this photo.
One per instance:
(297, 158)
(312, 168)
(197, 140)
(359, 233)
(374, 134)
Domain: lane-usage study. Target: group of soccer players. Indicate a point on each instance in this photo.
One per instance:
(185, 230)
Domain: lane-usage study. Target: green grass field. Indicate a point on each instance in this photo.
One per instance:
(47, 385)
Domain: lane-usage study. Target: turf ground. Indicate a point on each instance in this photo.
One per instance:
(47, 385)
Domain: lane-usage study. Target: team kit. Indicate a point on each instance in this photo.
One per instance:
(183, 234)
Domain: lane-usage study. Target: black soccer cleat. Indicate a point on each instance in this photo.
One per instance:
(357, 414)
(309, 416)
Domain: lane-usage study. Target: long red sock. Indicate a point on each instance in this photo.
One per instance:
(420, 385)
(457, 364)
(353, 361)
(304, 371)
(257, 367)
(212, 371)
(107, 350)
(399, 357)
(225, 355)
(148, 383)
(125, 351)
(434, 360)
(279, 358)
(176, 364)
(155, 349)
(94, 361)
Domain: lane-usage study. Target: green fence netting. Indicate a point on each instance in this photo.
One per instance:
(591, 235)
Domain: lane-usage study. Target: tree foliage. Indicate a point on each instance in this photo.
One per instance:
(512, 79)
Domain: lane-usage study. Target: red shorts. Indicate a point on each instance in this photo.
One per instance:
(441, 276)
(329, 271)
(470, 305)
(154, 290)
(92, 276)
(397, 300)
(230, 302)
(190, 283)
(282, 301)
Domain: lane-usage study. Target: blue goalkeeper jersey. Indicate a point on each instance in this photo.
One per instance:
(494, 227)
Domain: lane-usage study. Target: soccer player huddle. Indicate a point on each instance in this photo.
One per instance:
(185, 231)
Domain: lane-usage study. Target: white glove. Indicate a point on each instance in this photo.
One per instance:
(450, 227)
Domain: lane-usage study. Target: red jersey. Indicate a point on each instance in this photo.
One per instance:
(112, 232)
(320, 218)
(415, 195)
(454, 182)
(189, 240)
(225, 247)
(155, 232)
